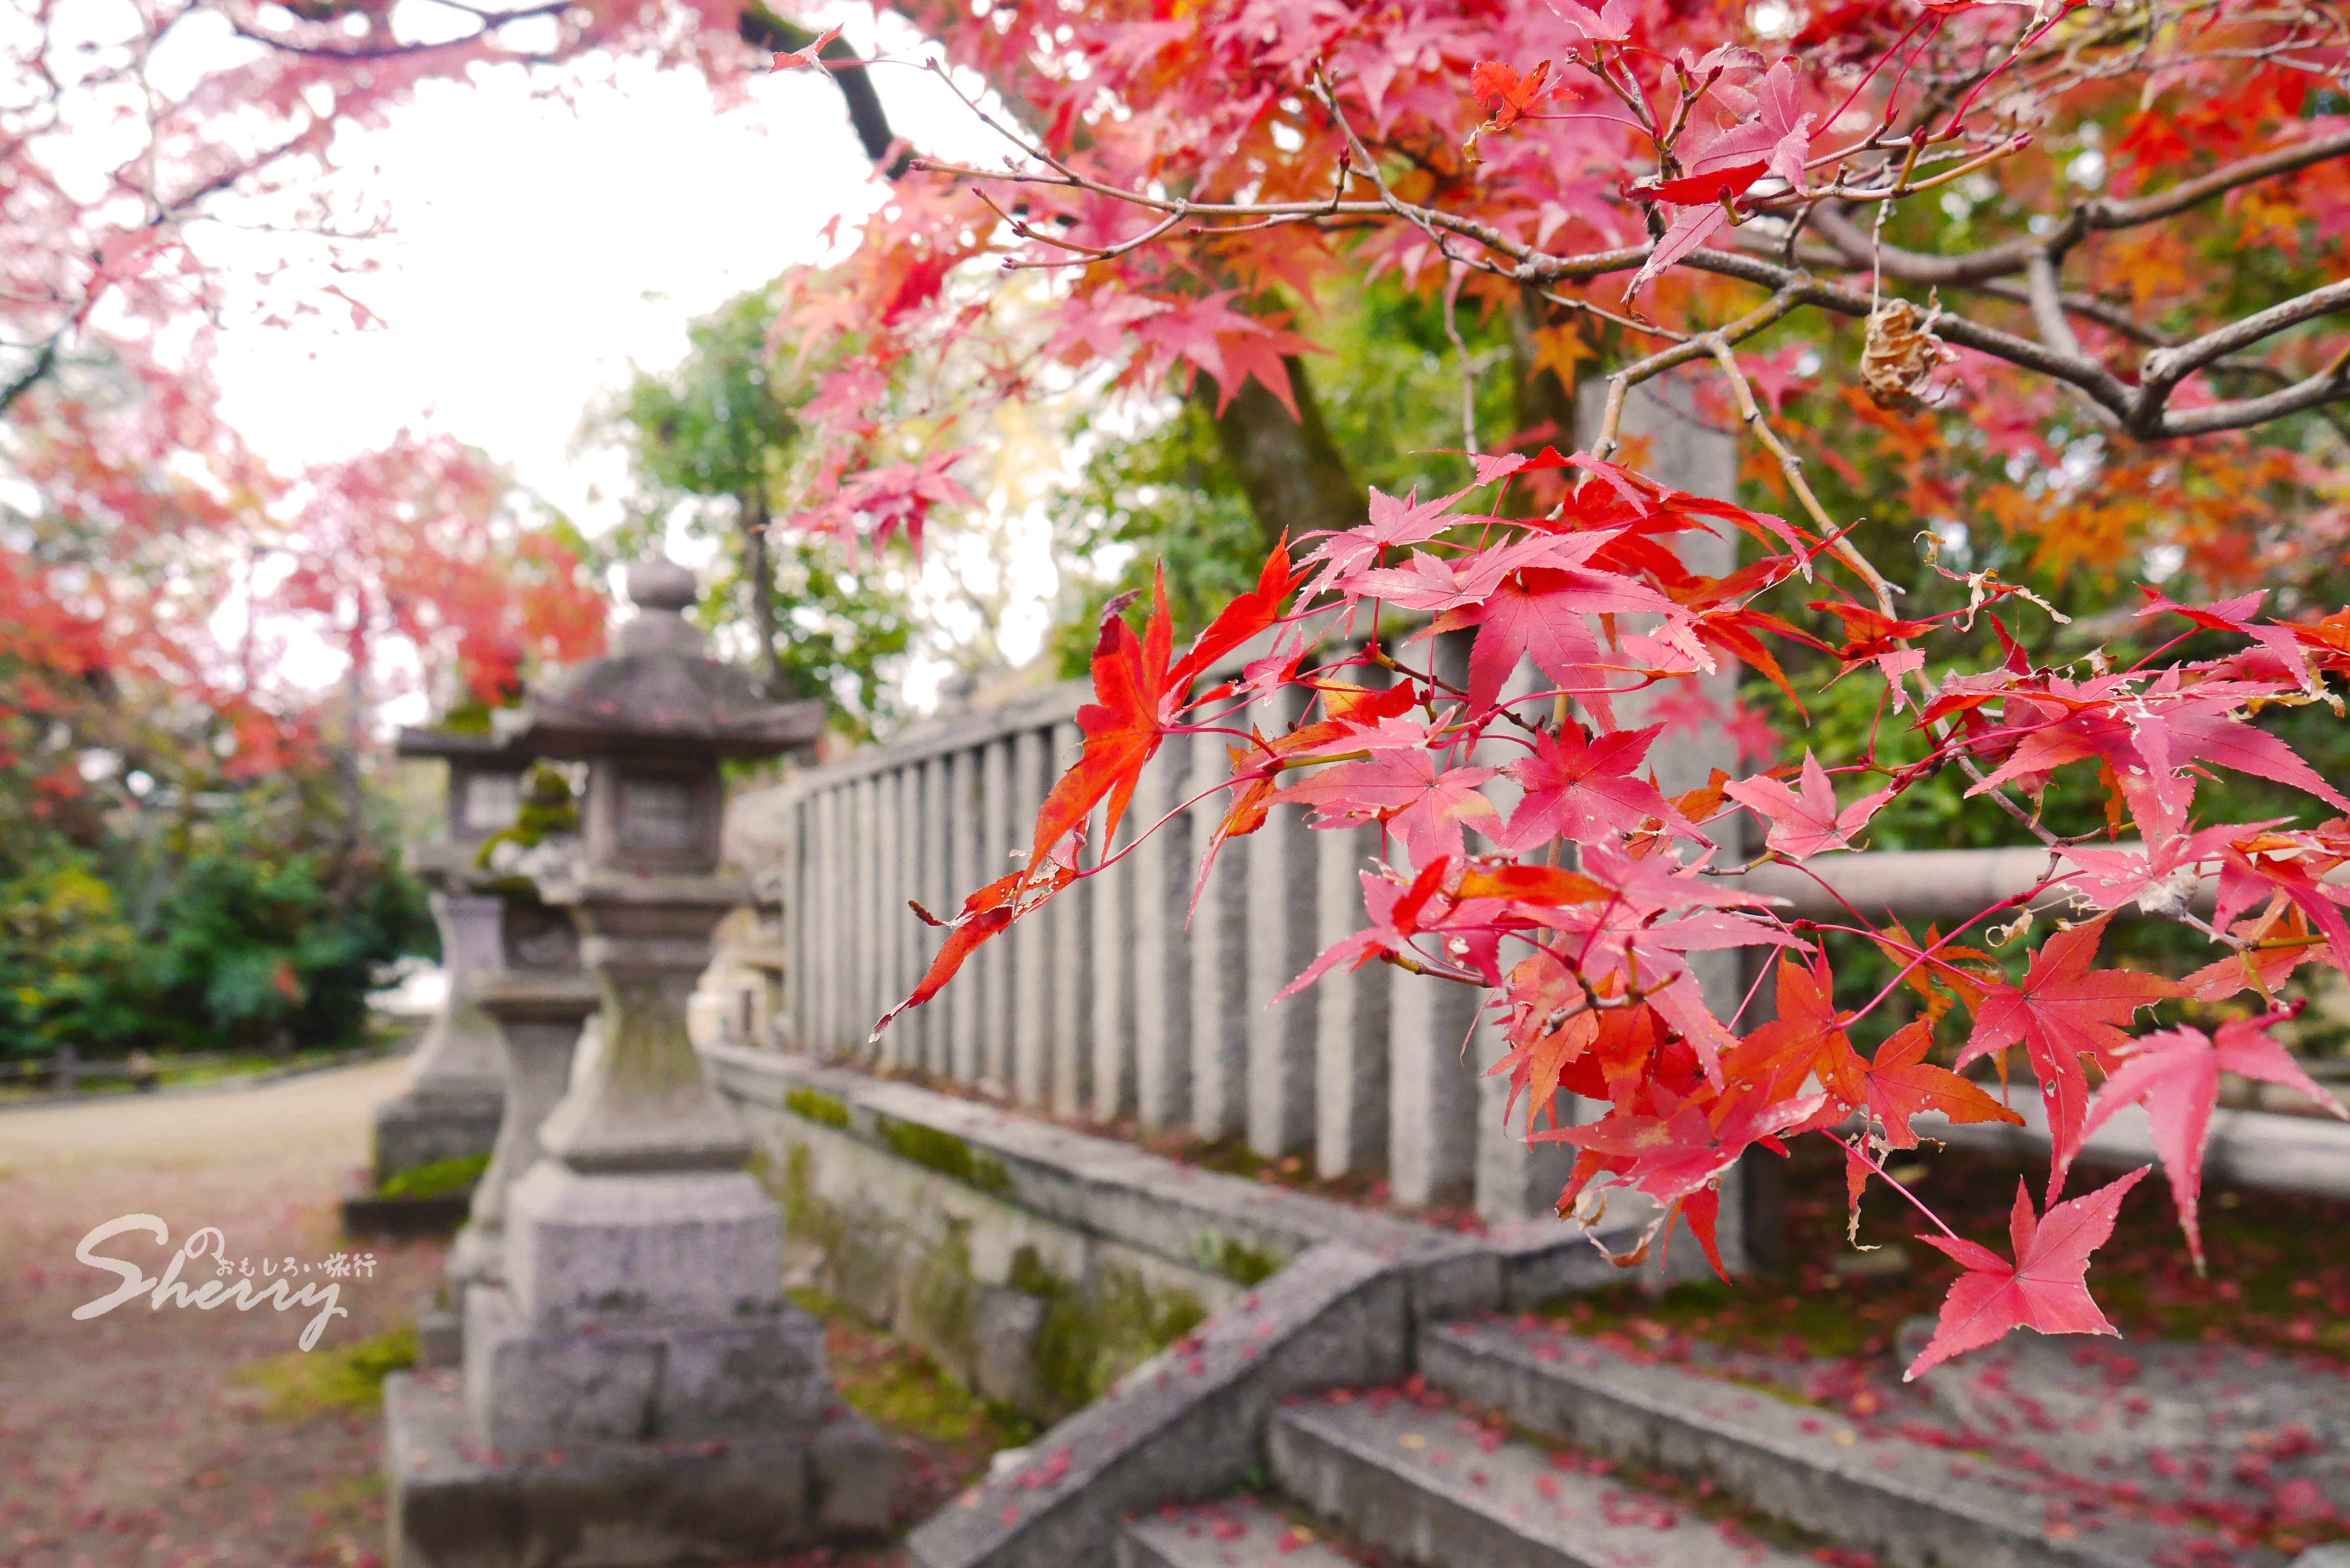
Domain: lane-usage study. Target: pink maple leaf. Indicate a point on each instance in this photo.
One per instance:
(1804, 823)
(2176, 1075)
(2062, 1011)
(1423, 803)
(2045, 1289)
(1578, 788)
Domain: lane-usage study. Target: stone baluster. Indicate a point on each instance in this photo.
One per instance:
(790, 989)
(1067, 921)
(1351, 1016)
(1032, 957)
(1219, 960)
(1160, 870)
(1431, 1089)
(1690, 454)
(997, 991)
(889, 899)
(1279, 862)
(966, 1018)
(939, 899)
(832, 962)
(1114, 960)
(1515, 1179)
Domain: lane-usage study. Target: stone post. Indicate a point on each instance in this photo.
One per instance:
(1031, 1016)
(1068, 922)
(1108, 947)
(1431, 1090)
(641, 1329)
(938, 897)
(1218, 933)
(1161, 868)
(1279, 858)
(1690, 453)
(456, 1083)
(966, 1019)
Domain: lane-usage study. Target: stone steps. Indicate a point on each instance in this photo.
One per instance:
(1430, 1485)
(1914, 1505)
(1237, 1532)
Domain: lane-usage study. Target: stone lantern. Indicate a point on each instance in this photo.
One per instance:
(636, 1388)
(457, 1088)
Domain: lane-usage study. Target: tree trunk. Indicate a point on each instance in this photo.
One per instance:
(1542, 398)
(1290, 469)
(759, 582)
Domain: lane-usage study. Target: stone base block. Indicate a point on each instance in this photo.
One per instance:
(402, 1219)
(439, 1335)
(636, 1381)
(421, 1129)
(629, 1505)
(673, 1245)
(479, 1256)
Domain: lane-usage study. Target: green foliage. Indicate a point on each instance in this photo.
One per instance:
(249, 923)
(305, 1383)
(438, 1180)
(713, 444)
(1390, 392)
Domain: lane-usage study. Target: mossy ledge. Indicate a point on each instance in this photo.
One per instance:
(947, 1155)
(818, 1107)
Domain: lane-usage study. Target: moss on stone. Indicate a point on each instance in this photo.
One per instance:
(900, 1388)
(1093, 1336)
(942, 1297)
(1241, 1265)
(947, 1155)
(441, 1178)
(816, 1107)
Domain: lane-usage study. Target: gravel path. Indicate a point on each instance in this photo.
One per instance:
(152, 1438)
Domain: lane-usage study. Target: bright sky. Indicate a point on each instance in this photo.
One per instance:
(541, 246)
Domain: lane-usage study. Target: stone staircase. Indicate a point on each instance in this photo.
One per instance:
(1519, 1446)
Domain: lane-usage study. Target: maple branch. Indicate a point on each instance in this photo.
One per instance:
(2166, 367)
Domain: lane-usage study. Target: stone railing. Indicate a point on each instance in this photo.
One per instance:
(1112, 1005)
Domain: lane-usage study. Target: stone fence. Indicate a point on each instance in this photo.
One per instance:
(1111, 1005)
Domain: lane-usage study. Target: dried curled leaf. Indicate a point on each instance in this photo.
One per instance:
(1902, 354)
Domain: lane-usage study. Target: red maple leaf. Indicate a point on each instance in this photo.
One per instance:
(2176, 1075)
(1577, 785)
(1504, 95)
(1122, 731)
(1704, 190)
(983, 915)
(808, 55)
(1541, 613)
(2062, 1011)
(1805, 824)
(2046, 1288)
(1898, 1083)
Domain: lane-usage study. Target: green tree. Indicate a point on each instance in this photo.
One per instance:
(713, 440)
